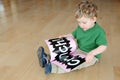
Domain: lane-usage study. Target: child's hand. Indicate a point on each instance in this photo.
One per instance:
(89, 57)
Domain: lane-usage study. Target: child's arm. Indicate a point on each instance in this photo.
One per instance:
(94, 52)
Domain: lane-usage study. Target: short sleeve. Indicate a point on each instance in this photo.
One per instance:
(75, 32)
(101, 38)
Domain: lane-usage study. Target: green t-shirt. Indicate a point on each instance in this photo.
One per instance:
(90, 39)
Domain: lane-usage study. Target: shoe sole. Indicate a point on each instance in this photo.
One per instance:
(40, 49)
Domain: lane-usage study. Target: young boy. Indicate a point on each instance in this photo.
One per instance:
(89, 36)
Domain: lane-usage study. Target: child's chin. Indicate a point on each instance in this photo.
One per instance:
(85, 28)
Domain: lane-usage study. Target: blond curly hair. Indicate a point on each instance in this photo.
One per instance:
(87, 9)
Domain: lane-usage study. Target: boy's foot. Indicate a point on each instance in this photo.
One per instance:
(48, 68)
(42, 56)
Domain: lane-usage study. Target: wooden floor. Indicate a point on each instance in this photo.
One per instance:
(25, 24)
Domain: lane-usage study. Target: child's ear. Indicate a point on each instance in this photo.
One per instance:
(94, 19)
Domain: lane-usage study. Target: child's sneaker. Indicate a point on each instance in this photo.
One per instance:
(48, 68)
(42, 56)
